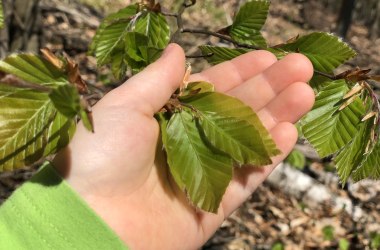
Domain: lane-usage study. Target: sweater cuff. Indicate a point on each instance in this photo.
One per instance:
(45, 213)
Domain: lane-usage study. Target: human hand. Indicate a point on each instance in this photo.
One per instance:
(122, 174)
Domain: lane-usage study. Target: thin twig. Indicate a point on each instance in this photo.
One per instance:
(332, 77)
(221, 36)
(169, 14)
(186, 4)
(200, 56)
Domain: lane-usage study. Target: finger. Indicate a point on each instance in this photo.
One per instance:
(151, 89)
(289, 106)
(247, 179)
(230, 74)
(262, 88)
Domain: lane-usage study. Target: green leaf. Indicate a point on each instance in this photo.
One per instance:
(229, 131)
(119, 64)
(296, 159)
(198, 88)
(278, 246)
(249, 22)
(196, 168)
(1, 15)
(155, 27)
(328, 129)
(350, 157)
(60, 132)
(86, 120)
(219, 109)
(375, 240)
(324, 50)
(370, 166)
(111, 34)
(328, 232)
(344, 244)
(110, 40)
(66, 100)
(130, 38)
(33, 69)
(30, 127)
(138, 54)
(220, 54)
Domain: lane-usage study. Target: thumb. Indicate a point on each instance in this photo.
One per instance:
(153, 87)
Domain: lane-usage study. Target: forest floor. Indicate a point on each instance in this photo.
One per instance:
(271, 218)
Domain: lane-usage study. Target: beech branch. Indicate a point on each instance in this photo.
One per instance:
(221, 36)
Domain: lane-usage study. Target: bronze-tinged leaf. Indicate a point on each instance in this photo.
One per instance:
(355, 75)
(53, 59)
(369, 115)
(348, 102)
(356, 89)
(291, 40)
(74, 76)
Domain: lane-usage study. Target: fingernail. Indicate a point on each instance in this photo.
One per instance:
(168, 50)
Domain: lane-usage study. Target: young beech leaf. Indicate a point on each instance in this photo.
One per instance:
(198, 88)
(30, 127)
(327, 128)
(131, 38)
(155, 26)
(226, 106)
(324, 50)
(230, 131)
(203, 172)
(215, 55)
(111, 33)
(248, 23)
(138, 53)
(33, 69)
(370, 166)
(66, 100)
(85, 114)
(351, 156)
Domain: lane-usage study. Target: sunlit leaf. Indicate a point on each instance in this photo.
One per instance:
(215, 55)
(328, 129)
(198, 88)
(33, 69)
(204, 173)
(29, 123)
(324, 50)
(218, 109)
(249, 22)
(154, 26)
(111, 32)
(229, 131)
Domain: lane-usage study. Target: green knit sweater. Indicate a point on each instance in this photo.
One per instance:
(45, 213)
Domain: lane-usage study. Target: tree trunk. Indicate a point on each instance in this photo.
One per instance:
(22, 26)
(345, 17)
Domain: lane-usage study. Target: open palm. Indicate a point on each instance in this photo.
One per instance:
(120, 171)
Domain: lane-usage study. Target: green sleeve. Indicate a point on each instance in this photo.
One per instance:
(45, 213)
